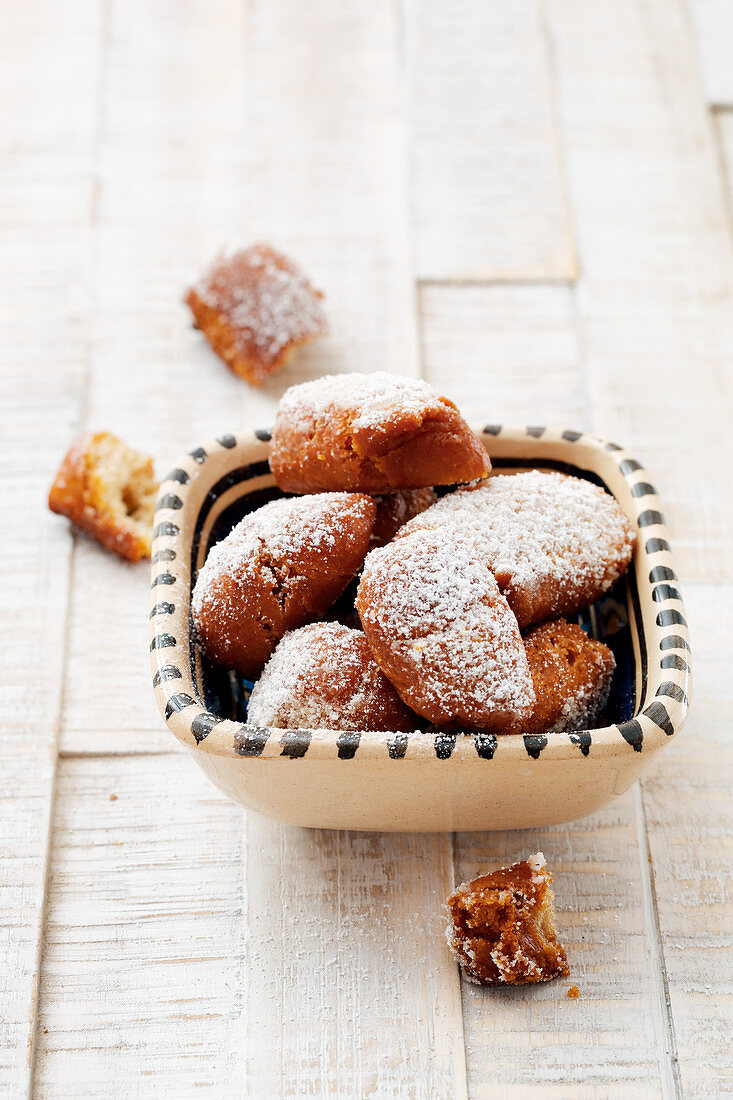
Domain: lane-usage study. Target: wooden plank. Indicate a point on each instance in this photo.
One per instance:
(25, 806)
(331, 184)
(655, 322)
(169, 197)
(654, 299)
(724, 129)
(487, 188)
(213, 177)
(537, 1041)
(348, 966)
(505, 354)
(687, 804)
(511, 354)
(144, 936)
(224, 955)
(713, 23)
(46, 191)
(335, 197)
(346, 1004)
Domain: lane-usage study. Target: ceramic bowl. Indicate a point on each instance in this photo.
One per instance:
(419, 781)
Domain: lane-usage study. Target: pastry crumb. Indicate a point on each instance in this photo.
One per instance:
(573, 993)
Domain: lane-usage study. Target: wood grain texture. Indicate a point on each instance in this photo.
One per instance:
(223, 955)
(169, 197)
(536, 1040)
(325, 171)
(713, 25)
(724, 128)
(194, 950)
(505, 354)
(656, 327)
(688, 809)
(141, 981)
(487, 187)
(26, 800)
(216, 172)
(346, 952)
(47, 136)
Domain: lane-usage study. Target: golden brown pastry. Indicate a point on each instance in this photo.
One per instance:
(571, 674)
(108, 490)
(441, 631)
(281, 567)
(323, 676)
(395, 509)
(502, 926)
(371, 433)
(255, 308)
(554, 543)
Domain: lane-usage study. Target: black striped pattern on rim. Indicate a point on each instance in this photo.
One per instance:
(662, 652)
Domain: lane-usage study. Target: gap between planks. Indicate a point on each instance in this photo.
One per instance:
(663, 1017)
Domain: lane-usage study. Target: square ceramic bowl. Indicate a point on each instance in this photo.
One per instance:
(419, 781)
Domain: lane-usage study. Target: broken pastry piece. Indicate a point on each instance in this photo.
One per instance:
(571, 674)
(255, 308)
(371, 433)
(502, 926)
(108, 490)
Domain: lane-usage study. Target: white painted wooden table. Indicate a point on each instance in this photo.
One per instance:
(529, 204)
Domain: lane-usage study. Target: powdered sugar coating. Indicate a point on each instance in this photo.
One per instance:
(268, 302)
(502, 927)
(372, 433)
(323, 676)
(281, 567)
(277, 530)
(443, 633)
(555, 543)
(376, 399)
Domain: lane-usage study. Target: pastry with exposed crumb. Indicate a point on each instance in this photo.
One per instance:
(281, 567)
(442, 632)
(555, 543)
(571, 674)
(255, 308)
(323, 676)
(502, 927)
(371, 433)
(108, 490)
(394, 510)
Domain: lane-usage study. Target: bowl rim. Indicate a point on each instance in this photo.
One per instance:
(665, 691)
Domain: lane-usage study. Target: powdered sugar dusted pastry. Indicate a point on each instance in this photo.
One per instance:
(395, 509)
(323, 676)
(502, 926)
(371, 433)
(108, 490)
(255, 307)
(441, 631)
(571, 674)
(554, 543)
(281, 567)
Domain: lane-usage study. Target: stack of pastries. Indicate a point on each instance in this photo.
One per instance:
(462, 600)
